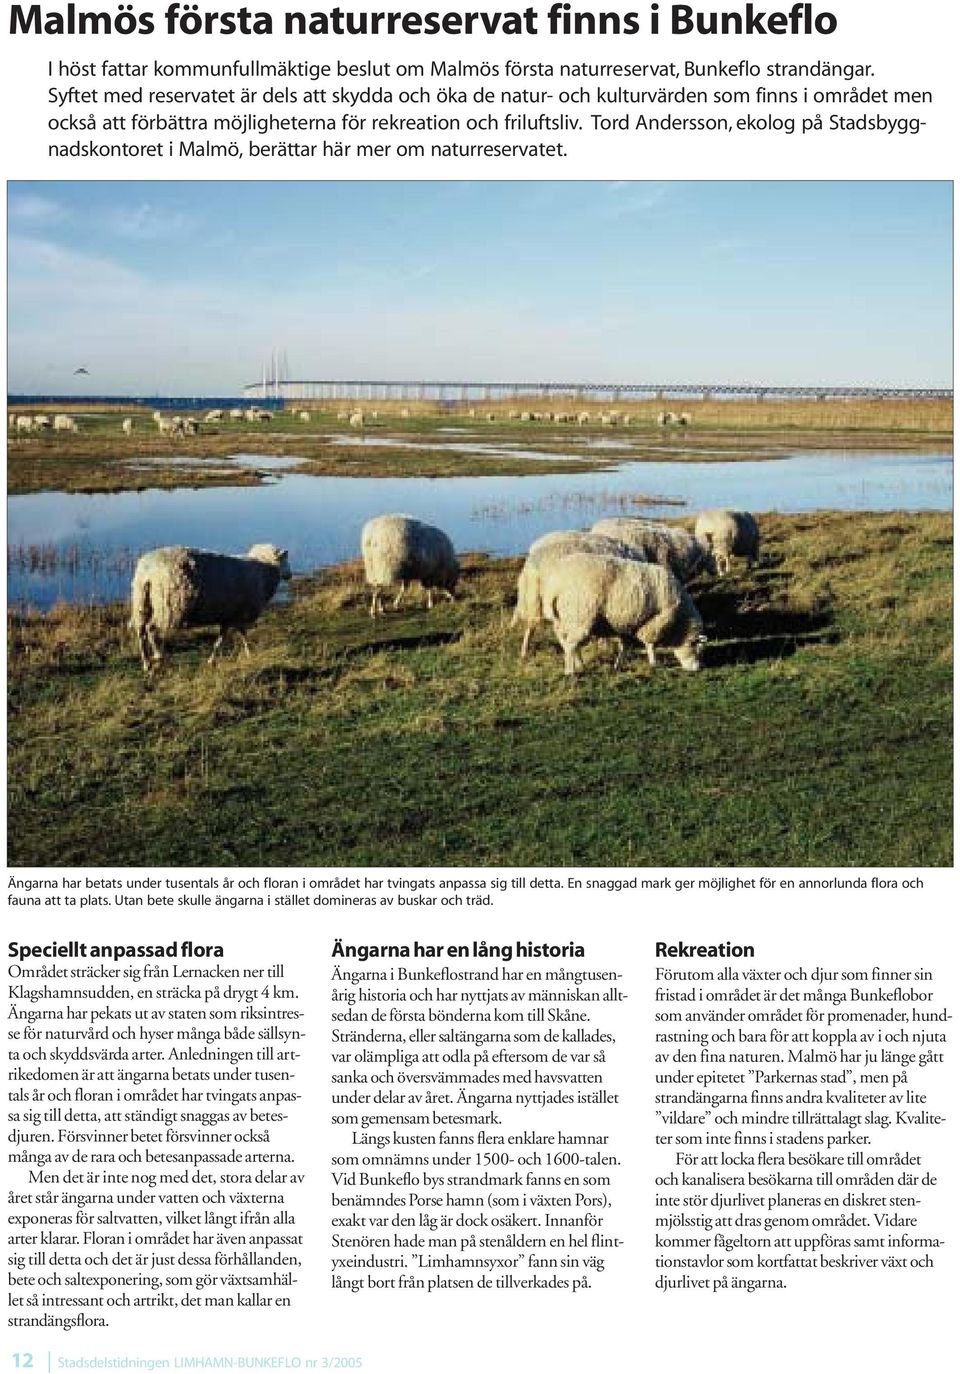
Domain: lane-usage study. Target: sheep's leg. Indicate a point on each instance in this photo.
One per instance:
(376, 605)
(572, 662)
(429, 598)
(144, 644)
(448, 594)
(217, 642)
(154, 649)
(525, 646)
(621, 649)
(244, 644)
(399, 596)
(651, 655)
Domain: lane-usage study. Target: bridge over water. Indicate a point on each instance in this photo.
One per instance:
(454, 391)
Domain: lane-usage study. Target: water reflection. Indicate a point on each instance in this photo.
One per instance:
(82, 547)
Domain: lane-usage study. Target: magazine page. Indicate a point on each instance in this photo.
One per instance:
(479, 870)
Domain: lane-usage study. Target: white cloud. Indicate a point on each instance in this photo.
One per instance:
(35, 210)
(147, 222)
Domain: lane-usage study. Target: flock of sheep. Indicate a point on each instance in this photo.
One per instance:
(27, 424)
(180, 424)
(624, 578)
(165, 423)
(356, 419)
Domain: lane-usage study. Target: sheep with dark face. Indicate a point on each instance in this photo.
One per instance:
(400, 549)
(178, 587)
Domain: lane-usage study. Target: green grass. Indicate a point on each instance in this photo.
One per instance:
(818, 734)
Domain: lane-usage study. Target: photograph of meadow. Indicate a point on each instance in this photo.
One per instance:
(520, 523)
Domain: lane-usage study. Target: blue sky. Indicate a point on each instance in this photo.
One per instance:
(185, 287)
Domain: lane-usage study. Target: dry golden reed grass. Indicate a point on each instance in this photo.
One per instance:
(931, 415)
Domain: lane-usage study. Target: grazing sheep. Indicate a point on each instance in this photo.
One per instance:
(157, 416)
(191, 426)
(356, 420)
(24, 424)
(674, 548)
(583, 418)
(170, 424)
(727, 533)
(305, 417)
(11, 422)
(398, 548)
(404, 415)
(236, 414)
(42, 422)
(543, 553)
(212, 416)
(588, 594)
(175, 587)
(127, 426)
(65, 422)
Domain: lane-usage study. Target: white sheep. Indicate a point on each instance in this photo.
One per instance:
(65, 422)
(356, 420)
(11, 422)
(170, 424)
(177, 587)
(727, 533)
(398, 548)
(584, 417)
(42, 422)
(236, 414)
(304, 417)
(191, 426)
(157, 416)
(543, 553)
(24, 424)
(212, 416)
(127, 425)
(674, 548)
(588, 594)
